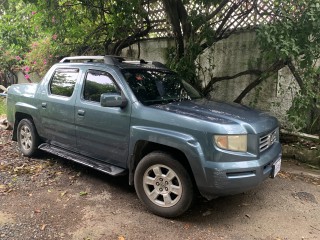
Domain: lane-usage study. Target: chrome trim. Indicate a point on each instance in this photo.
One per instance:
(267, 141)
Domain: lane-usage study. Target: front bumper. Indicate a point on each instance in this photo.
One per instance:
(228, 178)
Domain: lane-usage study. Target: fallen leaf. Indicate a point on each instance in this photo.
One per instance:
(63, 193)
(43, 227)
(83, 193)
(37, 211)
(121, 238)
(207, 213)
(245, 204)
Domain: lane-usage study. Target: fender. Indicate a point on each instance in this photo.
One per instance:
(21, 99)
(26, 108)
(183, 142)
(22, 110)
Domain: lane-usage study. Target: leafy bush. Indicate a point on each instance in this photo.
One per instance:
(3, 106)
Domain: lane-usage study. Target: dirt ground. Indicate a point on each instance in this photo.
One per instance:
(52, 198)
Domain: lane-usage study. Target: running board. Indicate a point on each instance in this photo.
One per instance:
(96, 164)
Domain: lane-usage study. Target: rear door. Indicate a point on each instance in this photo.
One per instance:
(102, 132)
(57, 108)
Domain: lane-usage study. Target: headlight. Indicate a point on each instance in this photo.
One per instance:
(231, 142)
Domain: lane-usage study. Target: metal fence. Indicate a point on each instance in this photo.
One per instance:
(249, 14)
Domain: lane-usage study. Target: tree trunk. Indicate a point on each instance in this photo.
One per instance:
(296, 75)
(181, 27)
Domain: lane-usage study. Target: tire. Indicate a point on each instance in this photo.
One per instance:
(163, 185)
(28, 139)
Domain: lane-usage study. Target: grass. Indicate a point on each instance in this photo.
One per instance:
(3, 106)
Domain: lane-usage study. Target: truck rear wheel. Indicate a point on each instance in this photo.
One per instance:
(28, 139)
(163, 185)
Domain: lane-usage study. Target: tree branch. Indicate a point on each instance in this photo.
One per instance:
(70, 5)
(227, 17)
(132, 38)
(80, 49)
(217, 10)
(235, 21)
(296, 75)
(100, 8)
(214, 80)
(275, 67)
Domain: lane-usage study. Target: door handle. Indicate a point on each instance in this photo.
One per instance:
(81, 112)
(44, 105)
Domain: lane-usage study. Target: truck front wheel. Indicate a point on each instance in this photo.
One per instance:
(28, 139)
(163, 185)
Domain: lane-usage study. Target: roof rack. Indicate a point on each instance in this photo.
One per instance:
(108, 59)
(111, 60)
(141, 61)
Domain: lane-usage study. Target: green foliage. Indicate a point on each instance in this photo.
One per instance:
(36, 33)
(89, 26)
(186, 66)
(42, 54)
(15, 33)
(15, 30)
(296, 33)
(3, 106)
(295, 37)
(305, 105)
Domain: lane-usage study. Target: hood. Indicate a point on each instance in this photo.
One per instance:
(223, 113)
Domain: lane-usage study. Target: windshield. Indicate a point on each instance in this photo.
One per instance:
(158, 87)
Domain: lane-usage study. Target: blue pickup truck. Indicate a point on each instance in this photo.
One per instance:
(139, 118)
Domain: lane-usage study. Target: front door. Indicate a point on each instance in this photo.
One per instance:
(102, 132)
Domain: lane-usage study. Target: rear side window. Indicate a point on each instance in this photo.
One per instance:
(63, 82)
(97, 83)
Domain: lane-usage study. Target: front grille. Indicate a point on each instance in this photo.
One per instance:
(266, 141)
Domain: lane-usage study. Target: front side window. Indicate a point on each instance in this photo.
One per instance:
(63, 82)
(97, 83)
(158, 87)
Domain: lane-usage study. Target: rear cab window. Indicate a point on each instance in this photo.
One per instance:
(63, 81)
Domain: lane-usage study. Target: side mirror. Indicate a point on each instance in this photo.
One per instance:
(113, 100)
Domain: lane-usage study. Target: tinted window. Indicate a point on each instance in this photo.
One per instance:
(154, 87)
(97, 83)
(63, 82)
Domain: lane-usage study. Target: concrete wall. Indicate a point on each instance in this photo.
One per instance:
(241, 52)
(34, 77)
(238, 53)
(153, 49)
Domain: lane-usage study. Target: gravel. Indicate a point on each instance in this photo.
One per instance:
(51, 198)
